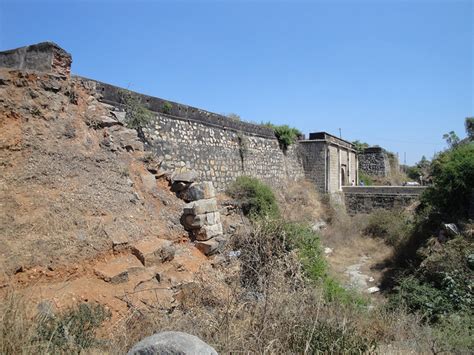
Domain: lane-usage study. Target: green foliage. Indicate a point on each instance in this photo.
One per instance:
(309, 249)
(328, 338)
(256, 199)
(307, 243)
(443, 284)
(366, 179)
(420, 297)
(453, 182)
(360, 146)
(73, 330)
(285, 134)
(167, 107)
(469, 125)
(419, 169)
(392, 226)
(452, 139)
(137, 115)
(455, 333)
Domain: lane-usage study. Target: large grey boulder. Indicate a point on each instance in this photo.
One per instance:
(172, 343)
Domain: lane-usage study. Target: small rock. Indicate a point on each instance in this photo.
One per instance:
(328, 251)
(119, 115)
(106, 121)
(208, 247)
(373, 289)
(318, 226)
(451, 229)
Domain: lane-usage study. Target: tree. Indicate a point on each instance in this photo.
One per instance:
(469, 124)
(360, 146)
(452, 139)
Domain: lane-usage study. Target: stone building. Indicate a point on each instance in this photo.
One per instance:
(45, 57)
(374, 161)
(329, 162)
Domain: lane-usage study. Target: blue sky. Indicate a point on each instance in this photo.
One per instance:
(394, 73)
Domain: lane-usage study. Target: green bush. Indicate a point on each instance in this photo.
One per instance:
(285, 134)
(137, 115)
(366, 179)
(255, 198)
(453, 183)
(167, 107)
(73, 330)
(423, 297)
(392, 226)
(328, 338)
(307, 243)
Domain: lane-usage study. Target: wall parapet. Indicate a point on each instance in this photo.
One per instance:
(366, 199)
(384, 190)
(111, 94)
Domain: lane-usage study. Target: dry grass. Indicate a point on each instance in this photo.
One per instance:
(269, 308)
(300, 202)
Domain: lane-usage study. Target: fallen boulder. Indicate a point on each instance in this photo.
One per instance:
(170, 343)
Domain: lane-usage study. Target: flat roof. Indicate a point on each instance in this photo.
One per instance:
(322, 135)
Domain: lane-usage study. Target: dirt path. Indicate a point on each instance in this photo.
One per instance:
(356, 261)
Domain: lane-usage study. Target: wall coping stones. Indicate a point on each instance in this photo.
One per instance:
(384, 190)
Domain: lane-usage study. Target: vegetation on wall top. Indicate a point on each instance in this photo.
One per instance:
(285, 134)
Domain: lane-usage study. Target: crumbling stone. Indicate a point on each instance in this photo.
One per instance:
(200, 207)
(154, 252)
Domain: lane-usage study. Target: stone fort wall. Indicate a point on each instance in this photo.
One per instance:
(366, 199)
(218, 148)
(374, 161)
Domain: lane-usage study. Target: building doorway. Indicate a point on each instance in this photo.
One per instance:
(343, 177)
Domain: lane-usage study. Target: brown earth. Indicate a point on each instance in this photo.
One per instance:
(76, 197)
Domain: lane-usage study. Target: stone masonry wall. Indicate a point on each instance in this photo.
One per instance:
(45, 57)
(314, 162)
(221, 155)
(374, 161)
(367, 199)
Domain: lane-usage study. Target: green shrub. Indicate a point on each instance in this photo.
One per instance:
(255, 198)
(285, 134)
(453, 183)
(328, 338)
(310, 254)
(455, 333)
(366, 179)
(137, 115)
(73, 330)
(391, 226)
(421, 297)
(167, 107)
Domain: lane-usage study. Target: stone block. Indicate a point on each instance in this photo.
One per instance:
(184, 176)
(195, 222)
(208, 232)
(117, 270)
(200, 207)
(149, 181)
(198, 191)
(154, 252)
(208, 247)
